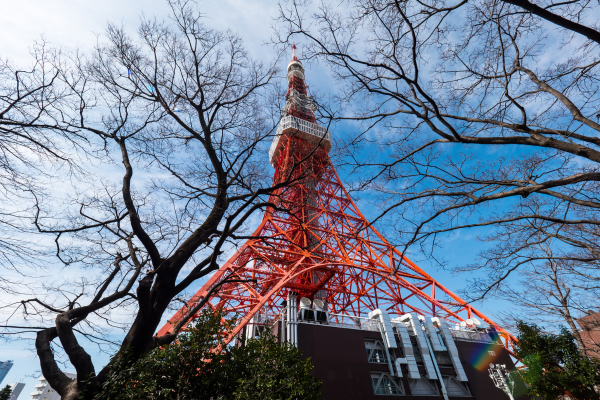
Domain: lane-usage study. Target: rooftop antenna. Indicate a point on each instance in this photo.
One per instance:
(502, 378)
(294, 55)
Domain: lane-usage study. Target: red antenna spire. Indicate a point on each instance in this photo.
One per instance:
(298, 103)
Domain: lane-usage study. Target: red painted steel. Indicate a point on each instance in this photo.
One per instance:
(317, 243)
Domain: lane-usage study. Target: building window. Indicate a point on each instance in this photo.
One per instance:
(385, 384)
(443, 358)
(376, 351)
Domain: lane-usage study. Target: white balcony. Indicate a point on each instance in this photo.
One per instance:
(294, 126)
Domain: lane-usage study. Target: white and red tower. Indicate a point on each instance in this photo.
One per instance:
(316, 244)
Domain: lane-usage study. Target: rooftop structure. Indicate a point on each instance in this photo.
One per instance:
(406, 355)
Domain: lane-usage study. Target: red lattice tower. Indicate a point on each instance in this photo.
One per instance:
(317, 243)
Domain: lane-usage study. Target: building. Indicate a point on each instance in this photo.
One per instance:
(590, 333)
(43, 391)
(15, 390)
(5, 366)
(409, 356)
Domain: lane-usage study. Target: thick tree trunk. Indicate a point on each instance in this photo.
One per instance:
(57, 379)
(71, 392)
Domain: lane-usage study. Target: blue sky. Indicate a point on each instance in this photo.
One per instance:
(73, 24)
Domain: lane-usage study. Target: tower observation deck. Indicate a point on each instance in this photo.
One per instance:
(315, 258)
(297, 117)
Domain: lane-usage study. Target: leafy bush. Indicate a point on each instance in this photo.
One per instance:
(555, 365)
(192, 369)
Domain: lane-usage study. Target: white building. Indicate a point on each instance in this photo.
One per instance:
(15, 390)
(43, 391)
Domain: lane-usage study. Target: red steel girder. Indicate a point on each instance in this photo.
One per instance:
(326, 233)
(317, 240)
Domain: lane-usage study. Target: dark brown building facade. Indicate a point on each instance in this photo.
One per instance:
(409, 357)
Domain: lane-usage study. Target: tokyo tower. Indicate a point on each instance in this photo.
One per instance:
(315, 246)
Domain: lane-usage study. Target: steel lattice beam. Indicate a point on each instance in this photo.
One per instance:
(317, 241)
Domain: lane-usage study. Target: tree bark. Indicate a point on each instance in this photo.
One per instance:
(586, 31)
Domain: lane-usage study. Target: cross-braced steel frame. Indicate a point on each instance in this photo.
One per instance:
(316, 242)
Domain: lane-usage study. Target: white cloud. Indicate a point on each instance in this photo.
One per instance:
(76, 23)
(73, 24)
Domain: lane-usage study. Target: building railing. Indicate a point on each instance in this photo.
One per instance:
(338, 320)
(290, 121)
(367, 324)
(353, 322)
(473, 336)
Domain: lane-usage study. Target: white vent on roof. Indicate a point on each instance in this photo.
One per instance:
(305, 303)
(318, 304)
